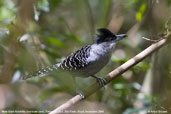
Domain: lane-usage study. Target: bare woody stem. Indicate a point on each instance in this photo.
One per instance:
(111, 76)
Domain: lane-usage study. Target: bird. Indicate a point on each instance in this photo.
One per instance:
(88, 60)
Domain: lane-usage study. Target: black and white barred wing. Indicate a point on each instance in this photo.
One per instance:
(77, 60)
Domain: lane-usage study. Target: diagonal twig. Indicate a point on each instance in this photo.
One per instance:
(112, 75)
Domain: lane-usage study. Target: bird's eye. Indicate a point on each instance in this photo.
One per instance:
(110, 39)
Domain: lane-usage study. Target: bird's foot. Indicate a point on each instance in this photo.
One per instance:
(101, 81)
(81, 94)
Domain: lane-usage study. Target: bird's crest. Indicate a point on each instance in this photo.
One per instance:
(103, 34)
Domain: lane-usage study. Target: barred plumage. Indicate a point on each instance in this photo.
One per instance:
(88, 60)
(42, 71)
(72, 63)
(77, 60)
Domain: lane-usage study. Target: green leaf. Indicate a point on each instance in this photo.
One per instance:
(119, 86)
(73, 37)
(142, 66)
(56, 42)
(143, 7)
(6, 13)
(45, 93)
(54, 3)
(141, 11)
(138, 16)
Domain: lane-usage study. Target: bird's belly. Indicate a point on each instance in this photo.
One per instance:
(93, 67)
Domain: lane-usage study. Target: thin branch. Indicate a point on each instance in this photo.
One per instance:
(111, 76)
(151, 39)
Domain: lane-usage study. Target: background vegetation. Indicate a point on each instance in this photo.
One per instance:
(38, 33)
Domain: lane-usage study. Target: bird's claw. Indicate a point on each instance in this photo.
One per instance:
(101, 81)
(81, 94)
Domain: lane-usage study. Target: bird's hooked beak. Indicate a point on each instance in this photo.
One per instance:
(120, 37)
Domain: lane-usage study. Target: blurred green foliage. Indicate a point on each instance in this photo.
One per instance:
(46, 31)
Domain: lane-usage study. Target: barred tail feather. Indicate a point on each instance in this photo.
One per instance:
(42, 71)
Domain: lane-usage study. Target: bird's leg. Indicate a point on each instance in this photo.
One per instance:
(77, 89)
(101, 81)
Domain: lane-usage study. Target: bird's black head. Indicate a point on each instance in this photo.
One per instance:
(107, 36)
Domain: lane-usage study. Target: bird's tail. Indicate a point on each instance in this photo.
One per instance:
(42, 71)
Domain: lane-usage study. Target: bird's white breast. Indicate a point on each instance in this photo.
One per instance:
(100, 51)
